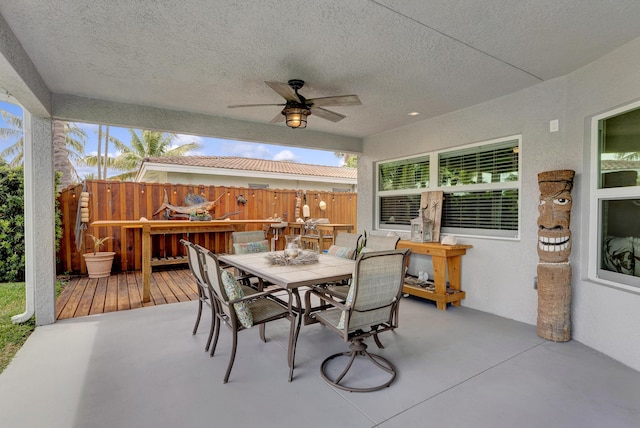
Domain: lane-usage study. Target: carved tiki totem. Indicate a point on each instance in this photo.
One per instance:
(554, 247)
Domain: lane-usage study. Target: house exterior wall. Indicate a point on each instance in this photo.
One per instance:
(239, 181)
(498, 275)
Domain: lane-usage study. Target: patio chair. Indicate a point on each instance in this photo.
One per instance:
(380, 243)
(239, 312)
(253, 241)
(373, 243)
(194, 257)
(369, 310)
(346, 246)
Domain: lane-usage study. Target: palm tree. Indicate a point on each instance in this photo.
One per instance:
(13, 130)
(350, 160)
(144, 144)
(68, 146)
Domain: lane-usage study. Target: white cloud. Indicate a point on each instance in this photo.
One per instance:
(285, 155)
(247, 150)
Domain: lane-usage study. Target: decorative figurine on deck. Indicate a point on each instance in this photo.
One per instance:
(554, 247)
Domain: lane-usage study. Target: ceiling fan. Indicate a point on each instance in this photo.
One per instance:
(297, 107)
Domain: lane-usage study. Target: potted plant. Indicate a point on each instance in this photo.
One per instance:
(99, 262)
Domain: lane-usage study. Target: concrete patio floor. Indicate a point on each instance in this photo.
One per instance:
(459, 368)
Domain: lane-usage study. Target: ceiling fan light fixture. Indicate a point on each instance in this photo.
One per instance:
(296, 117)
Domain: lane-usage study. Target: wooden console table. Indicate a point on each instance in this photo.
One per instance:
(446, 259)
(167, 227)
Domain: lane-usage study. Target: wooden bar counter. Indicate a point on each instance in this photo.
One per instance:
(168, 227)
(446, 260)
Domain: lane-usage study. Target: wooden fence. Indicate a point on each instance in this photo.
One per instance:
(115, 200)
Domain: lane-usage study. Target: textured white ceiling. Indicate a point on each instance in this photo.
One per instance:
(398, 56)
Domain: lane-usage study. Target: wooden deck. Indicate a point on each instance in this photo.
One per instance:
(120, 292)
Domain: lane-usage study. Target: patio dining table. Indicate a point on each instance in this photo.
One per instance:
(291, 277)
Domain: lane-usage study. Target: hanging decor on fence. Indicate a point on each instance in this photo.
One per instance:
(196, 208)
(82, 217)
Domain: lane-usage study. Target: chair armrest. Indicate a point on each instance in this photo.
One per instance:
(326, 298)
(254, 296)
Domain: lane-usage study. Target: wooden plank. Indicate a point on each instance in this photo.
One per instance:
(431, 208)
(86, 300)
(135, 299)
(174, 286)
(97, 305)
(123, 293)
(163, 287)
(69, 298)
(111, 300)
(155, 293)
(178, 260)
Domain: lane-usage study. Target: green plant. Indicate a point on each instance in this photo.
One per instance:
(12, 249)
(98, 242)
(12, 336)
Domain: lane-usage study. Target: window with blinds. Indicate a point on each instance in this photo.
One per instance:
(480, 183)
(496, 163)
(412, 173)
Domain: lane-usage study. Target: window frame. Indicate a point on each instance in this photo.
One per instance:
(434, 158)
(597, 196)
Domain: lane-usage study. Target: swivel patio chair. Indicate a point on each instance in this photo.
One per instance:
(345, 246)
(373, 243)
(239, 312)
(368, 310)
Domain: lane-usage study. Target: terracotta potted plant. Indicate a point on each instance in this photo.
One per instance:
(99, 262)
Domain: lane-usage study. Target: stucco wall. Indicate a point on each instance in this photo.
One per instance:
(606, 319)
(498, 275)
(179, 178)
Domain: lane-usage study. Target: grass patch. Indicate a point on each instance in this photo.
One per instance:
(12, 336)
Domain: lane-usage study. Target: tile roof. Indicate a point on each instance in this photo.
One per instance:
(615, 164)
(261, 165)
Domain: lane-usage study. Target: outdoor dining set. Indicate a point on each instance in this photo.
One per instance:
(353, 289)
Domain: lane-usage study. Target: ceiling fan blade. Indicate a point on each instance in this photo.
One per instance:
(279, 118)
(284, 90)
(254, 105)
(327, 114)
(339, 100)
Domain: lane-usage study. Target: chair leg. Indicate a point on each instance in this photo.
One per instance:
(262, 335)
(195, 327)
(232, 357)
(216, 334)
(214, 320)
(377, 340)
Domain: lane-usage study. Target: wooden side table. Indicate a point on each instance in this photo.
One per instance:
(446, 260)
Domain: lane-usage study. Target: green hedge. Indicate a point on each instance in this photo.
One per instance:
(12, 252)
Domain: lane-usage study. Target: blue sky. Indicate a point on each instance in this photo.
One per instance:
(208, 146)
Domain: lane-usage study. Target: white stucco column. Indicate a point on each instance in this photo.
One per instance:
(39, 221)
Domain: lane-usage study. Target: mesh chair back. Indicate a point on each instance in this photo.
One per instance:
(381, 243)
(212, 276)
(377, 286)
(250, 236)
(345, 239)
(195, 265)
